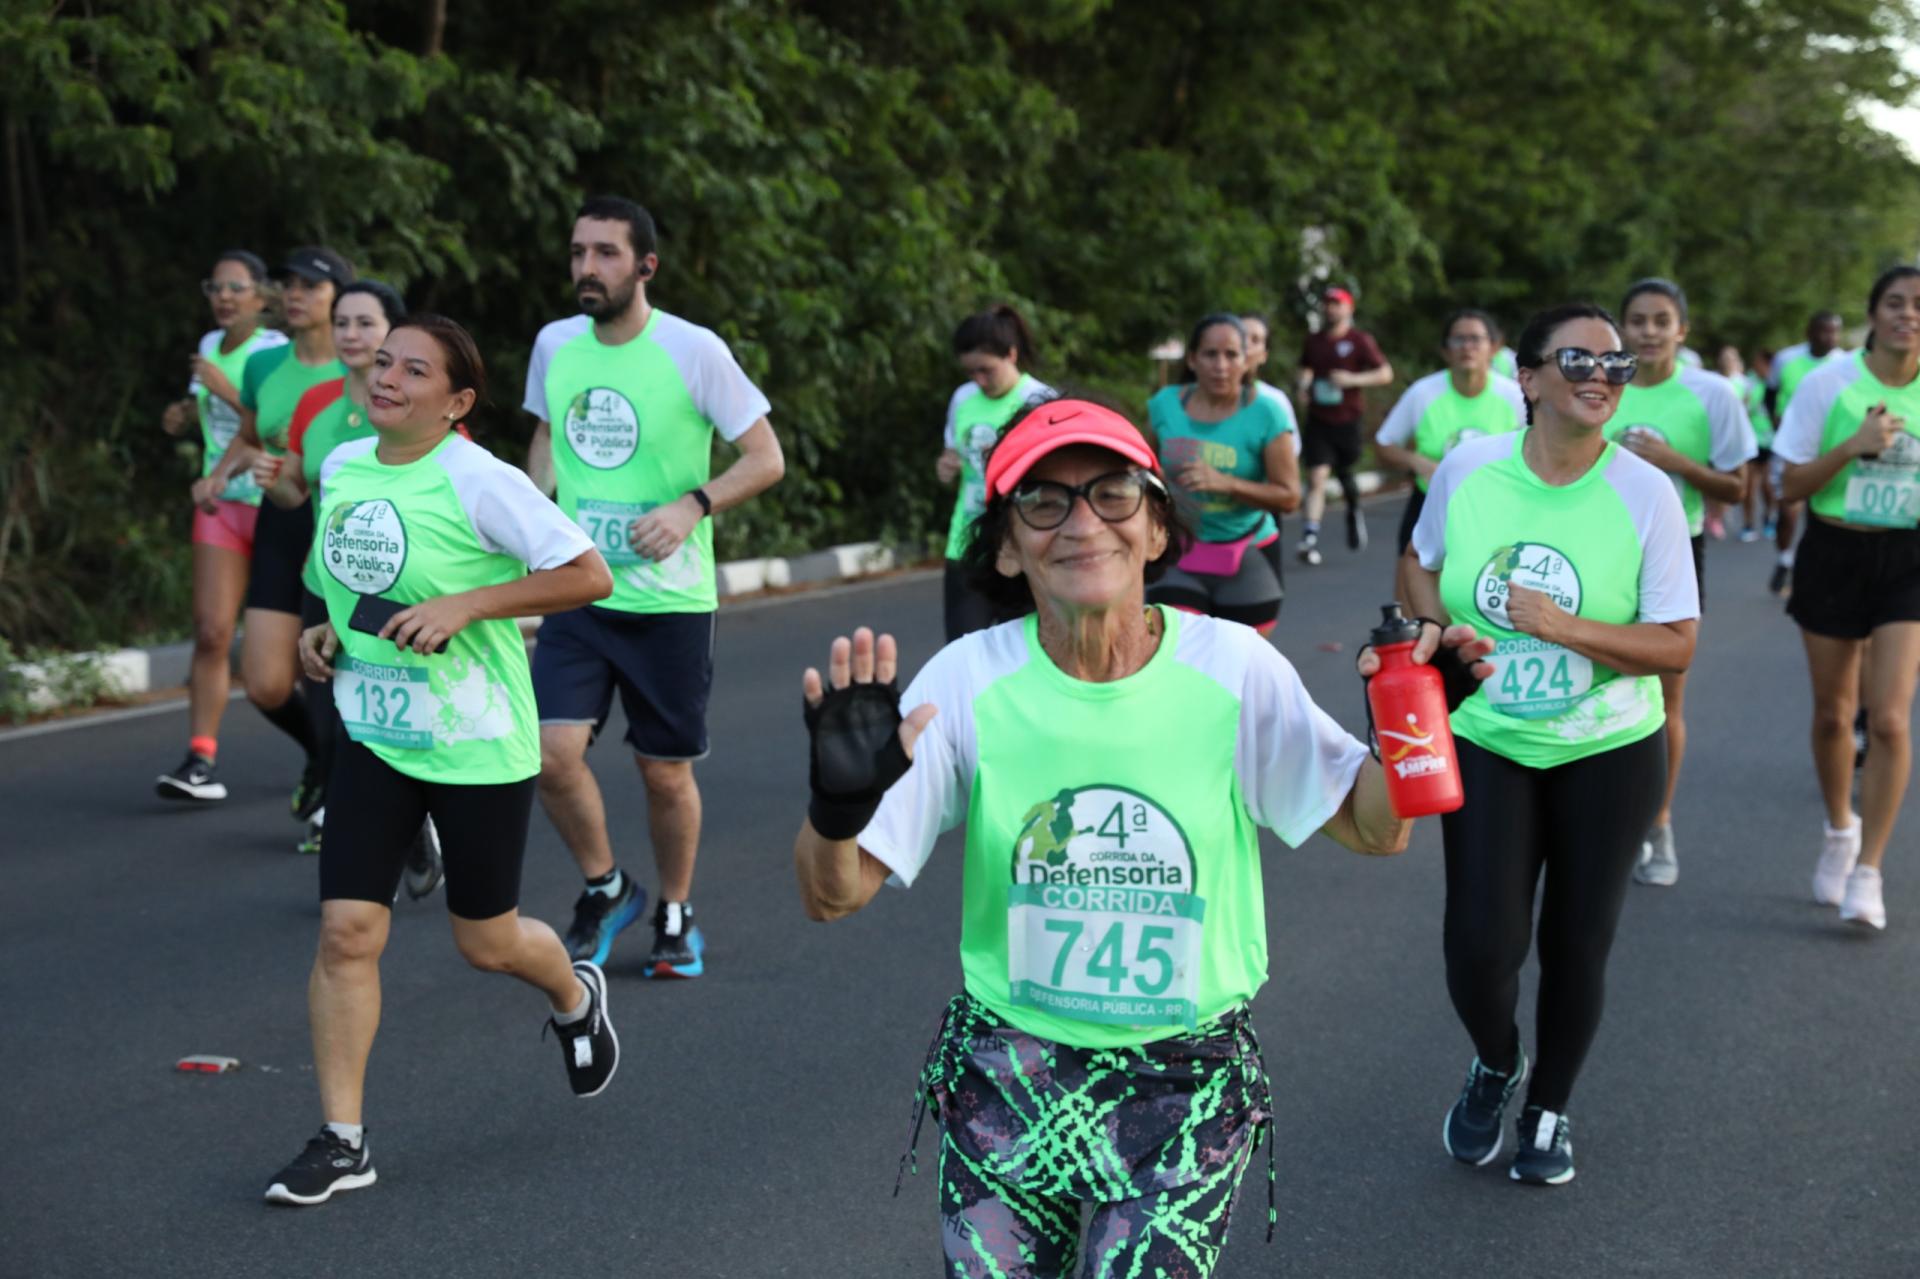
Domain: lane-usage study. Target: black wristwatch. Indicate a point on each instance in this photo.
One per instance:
(706, 503)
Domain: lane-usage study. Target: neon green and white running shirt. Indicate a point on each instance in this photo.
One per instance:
(974, 419)
(1611, 546)
(1112, 889)
(455, 520)
(1881, 492)
(219, 420)
(1701, 417)
(1790, 368)
(632, 429)
(1432, 417)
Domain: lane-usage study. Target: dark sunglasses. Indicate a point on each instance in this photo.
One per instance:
(1044, 504)
(1577, 364)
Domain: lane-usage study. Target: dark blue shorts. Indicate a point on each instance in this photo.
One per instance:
(662, 663)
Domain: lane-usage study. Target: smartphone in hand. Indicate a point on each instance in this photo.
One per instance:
(374, 611)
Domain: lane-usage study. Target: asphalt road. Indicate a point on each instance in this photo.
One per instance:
(1750, 1107)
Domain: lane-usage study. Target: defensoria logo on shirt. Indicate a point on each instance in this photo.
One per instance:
(364, 545)
(1096, 837)
(1534, 565)
(602, 428)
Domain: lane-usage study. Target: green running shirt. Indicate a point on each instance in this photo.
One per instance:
(219, 420)
(275, 381)
(1790, 369)
(1753, 391)
(1611, 546)
(974, 419)
(455, 520)
(632, 429)
(1432, 417)
(1881, 492)
(1112, 892)
(1235, 445)
(1700, 416)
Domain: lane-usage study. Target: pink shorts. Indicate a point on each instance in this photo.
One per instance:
(230, 527)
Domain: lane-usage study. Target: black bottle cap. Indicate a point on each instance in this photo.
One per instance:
(1394, 628)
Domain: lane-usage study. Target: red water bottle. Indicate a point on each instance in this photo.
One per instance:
(1409, 704)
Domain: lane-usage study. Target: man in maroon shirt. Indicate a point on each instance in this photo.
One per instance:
(1335, 365)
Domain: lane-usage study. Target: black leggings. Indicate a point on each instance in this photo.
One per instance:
(328, 731)
(1583, 822)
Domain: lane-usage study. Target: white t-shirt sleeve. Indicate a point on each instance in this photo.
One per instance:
(961, 394)
(1404, 418)
(1430, 532)
(930, 798)
(1731, 440)
(721, 389)
(1798, 439)
(1669, 591)
(1510, 392)
(550, 339)
(209, 347)
(1295, 764)
(509, 515)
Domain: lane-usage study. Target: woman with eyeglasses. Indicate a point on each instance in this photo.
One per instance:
(994, 348)
(1850, 446)
(1100, 1055)
(270, 390)
(1225, 447)
(1464, 401)
(1572, 553)
(1693, 425)
(224, 514)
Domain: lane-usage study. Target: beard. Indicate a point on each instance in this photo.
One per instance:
(612, 303)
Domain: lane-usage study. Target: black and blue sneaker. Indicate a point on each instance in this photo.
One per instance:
(598, 918)
(1545, 1157)
(1474, 1129)
(679, 949)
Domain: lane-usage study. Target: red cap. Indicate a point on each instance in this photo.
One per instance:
(1055, 425)
(1337, 294)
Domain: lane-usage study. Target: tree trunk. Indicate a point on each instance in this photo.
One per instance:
(436, 27)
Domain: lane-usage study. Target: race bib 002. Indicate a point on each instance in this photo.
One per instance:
(1102, 920)
(1535, 680)
(1884, 494)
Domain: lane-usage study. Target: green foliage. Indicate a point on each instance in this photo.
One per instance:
(837, 185)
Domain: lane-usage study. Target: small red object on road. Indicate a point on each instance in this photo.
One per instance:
(1330, 646)
(201, 1063)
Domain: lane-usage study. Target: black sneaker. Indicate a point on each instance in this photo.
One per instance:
(309, 795)
(679, 948)
(1356, 528)
(591, 1049)
(599, 918)
(1777, 584)
(326, 1165)
(316, 824)
(424, 867)
(1545, 1157)
(1474, 1127)
(192, 780)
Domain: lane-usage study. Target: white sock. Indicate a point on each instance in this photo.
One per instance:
(612, 887)
(1848, 829)
(586, 1002)
(1786, 558)
(352, 1134)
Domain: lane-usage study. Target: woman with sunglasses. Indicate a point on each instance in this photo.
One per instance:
(1464, 401)
(1112, 927)
(1225, 447)
(223, 514)
(269, 392)
(1572, 552)
(993, 348)
(1850, 444)
(1693, 425)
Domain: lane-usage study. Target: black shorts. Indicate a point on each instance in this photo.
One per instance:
(662, 663)
(1335, 444)
(280, 542)
(1699, 541)
(374, 810)
(1416, 503)
(1847, 583)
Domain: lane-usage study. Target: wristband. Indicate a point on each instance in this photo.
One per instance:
(706, 503)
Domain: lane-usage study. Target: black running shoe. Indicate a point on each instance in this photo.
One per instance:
(326, 1165)
(424, 867)
(1545, 1157)
(1356, 528)
(316, 826)
(192, 780)
(591, 1049)
(1777, 584)
(598, 919)
(1474, 1127)
(679, 948)
(309, 795)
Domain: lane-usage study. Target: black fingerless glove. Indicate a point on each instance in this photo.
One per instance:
(1456, 673)
(854, 756)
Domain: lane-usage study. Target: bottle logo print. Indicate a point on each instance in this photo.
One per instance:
(1414, 753)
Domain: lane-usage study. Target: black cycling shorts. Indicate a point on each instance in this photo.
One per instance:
(1847, 582)
(280, 542)
(1335, 444)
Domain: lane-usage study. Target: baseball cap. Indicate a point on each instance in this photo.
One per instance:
(1337, 294)
(1056, 424)
(316, 263)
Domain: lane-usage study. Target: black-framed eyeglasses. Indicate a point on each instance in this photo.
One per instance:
(212, 288)
(1577, 364)
(1114, 497)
